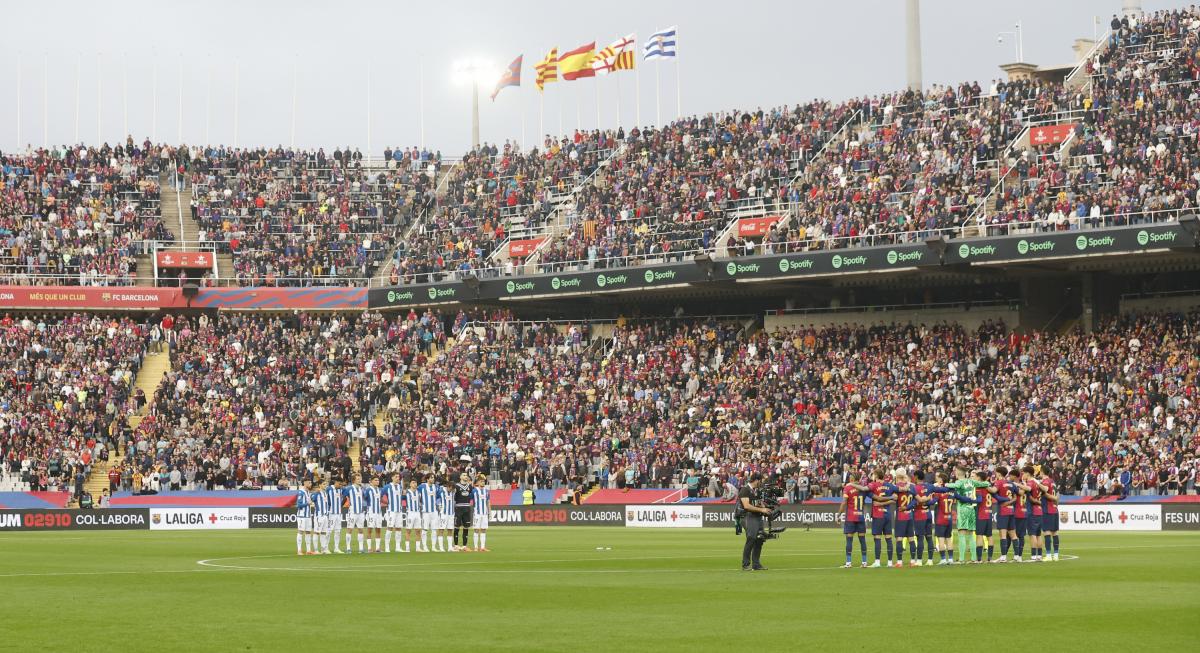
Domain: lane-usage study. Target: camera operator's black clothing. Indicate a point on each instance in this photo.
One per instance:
(752, 524)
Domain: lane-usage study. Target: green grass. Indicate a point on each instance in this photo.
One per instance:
(550, 589)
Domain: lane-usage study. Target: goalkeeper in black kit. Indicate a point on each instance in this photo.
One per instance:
(462, 512)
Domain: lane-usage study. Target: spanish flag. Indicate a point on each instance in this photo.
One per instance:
(577, 63)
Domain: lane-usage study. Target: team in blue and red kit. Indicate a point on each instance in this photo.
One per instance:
(923, 516)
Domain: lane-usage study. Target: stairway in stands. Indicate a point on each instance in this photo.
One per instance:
(154, 367)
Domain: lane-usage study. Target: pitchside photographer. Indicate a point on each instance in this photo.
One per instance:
(751, 517)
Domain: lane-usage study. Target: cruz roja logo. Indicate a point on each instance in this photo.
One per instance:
(1024, 246)
(394, 296)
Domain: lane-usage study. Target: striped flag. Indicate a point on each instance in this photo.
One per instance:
(547, 69)
(660, 44)
(577, 63)
(511, 77)
(617, 56)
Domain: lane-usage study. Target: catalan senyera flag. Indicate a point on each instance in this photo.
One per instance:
(511, 76)
(577, 63)
(617, 56)
(547, 69)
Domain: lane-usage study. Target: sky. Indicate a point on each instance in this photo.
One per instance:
(357, 66)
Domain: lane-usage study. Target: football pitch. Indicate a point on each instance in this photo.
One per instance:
(551, 589)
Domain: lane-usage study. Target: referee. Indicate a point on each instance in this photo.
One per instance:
(462, 510)
(752, 524)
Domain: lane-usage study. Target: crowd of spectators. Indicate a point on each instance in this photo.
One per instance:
(493, 194)
(671, 191)
(251, 400)
(65, 393)
(77, 215)
(298, 218)
(703, 403)
(1133, 155)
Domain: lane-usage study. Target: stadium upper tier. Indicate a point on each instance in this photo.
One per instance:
(79, 216)
(255, 399)
(960, 160)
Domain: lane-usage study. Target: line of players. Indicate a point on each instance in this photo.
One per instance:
(412, 516)
(1013, 504)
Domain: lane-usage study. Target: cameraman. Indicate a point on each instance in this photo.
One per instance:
(752, 523)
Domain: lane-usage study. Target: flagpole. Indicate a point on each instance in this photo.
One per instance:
(78, 67)
(618, 83)
(541, 115)
(99, 99)
(293, 131)
(179, 128)
(578, 107)
(421, 94)
(637, 93)
(17, 144)
(522, 101)
(154, 98)
(658, 94)
(45, 100)
(597, 78)
(124, 96)
(678, 87)
(208, 103)
(237, 78)
(368, 106)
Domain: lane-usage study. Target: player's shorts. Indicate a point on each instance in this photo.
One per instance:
(304, 524)
(904, 528)
(412, 520)
(335, 522)
(849, 528)
(943, 530)
(1035, 525)
(966, 520)
(481, 521)
(428, 521)
(393, 519)
(1005, 522)
(983, 527)
(355, 519)
(923, 527)
(321, 524)
(881, 525)
(1021, 526)
(447, 522)
(1050, 522)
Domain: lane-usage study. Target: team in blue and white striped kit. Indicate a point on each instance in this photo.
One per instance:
(375, 516)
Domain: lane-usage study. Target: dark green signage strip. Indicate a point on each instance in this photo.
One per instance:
(880, 260)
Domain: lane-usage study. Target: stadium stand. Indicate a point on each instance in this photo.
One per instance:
(252, 400)
(79, 216)
(65, 395)
(301, 218)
